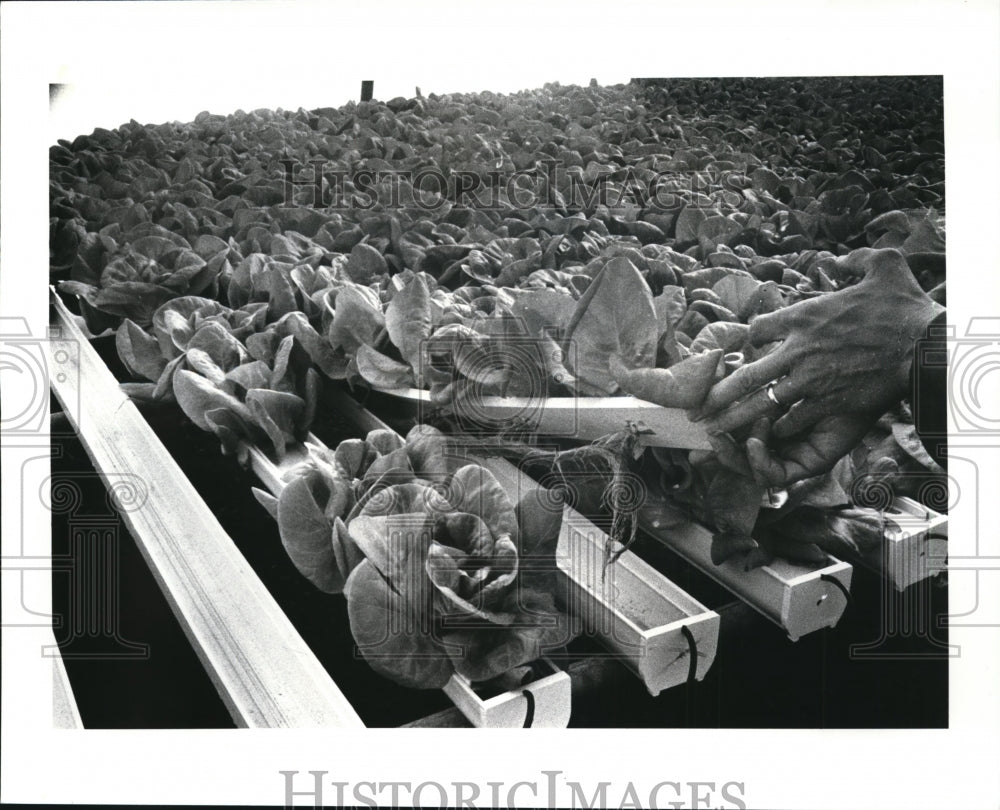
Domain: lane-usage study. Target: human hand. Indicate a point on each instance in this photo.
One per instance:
(778, 464)
(847, 352)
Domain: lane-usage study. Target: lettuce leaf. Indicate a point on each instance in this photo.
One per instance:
(387, 633)
(614, 318)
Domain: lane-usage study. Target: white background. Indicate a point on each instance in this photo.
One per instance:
(168, 61)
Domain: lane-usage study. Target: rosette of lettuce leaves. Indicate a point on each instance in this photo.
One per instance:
(441, 590)
(428, 550)
(319, 496)
(231, 375)
(142, 275)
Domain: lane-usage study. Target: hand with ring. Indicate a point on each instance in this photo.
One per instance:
(843, 360)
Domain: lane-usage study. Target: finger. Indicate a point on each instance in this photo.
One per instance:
(768, 470)
(763, 466)
(829, 440)
(744, 380)
(741, 413)
(746, 411)
(729, 454)
(771, 326)
(788, 391)
(762, 430)
(803, 415)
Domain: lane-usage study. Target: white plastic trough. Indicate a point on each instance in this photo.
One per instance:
(800, 599)
(914, 546)
(543, 703)
(585, 418)
(638, 614)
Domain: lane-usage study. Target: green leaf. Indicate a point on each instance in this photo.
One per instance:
(451, 581)
(139, 351)
(397, 545)
(267, 500)
(345, 550)
(686, 225)
(366, 264)
(279, 414)
(281, 293)
(430, 454)
(355, 321)
(733, 502)
(388, 634)
(219, 344)
(539, 310)
(380, 371)
(408, 321)
(715, 231)
(475, 490)
(724, 335)
(384, 440)
(196, 396)
(230, 430)
(254, 374)
(615, 317)
(399, 499)
(133, 299)
(204, 365)
(319, 351)
(483, 653)
(539, 518)
(391, 468)
(670, 306)
(738, 293)
(907, 438)
(353, 457)
(306, 534)
(310, 394)
(165, 385)
(290, 364)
